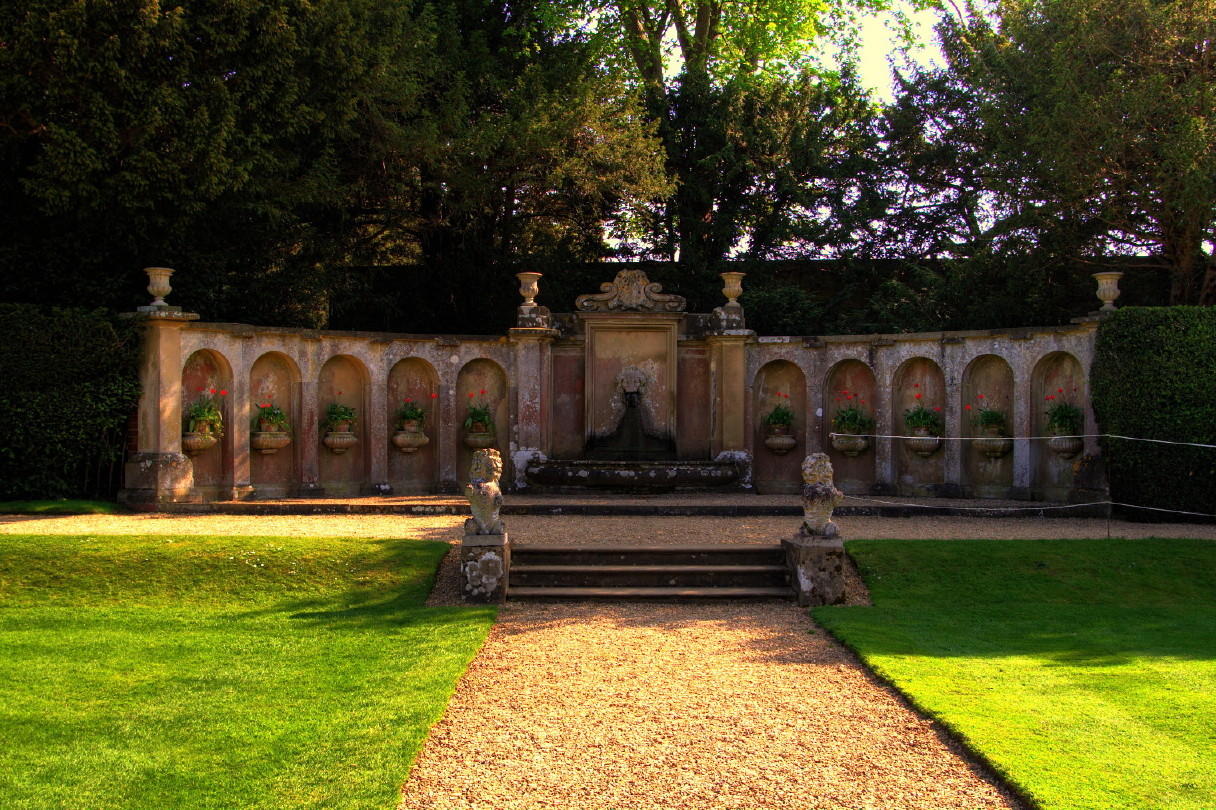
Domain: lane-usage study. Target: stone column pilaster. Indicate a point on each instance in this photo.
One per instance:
(952, 349)
(376, 397)
(1023, 425)
(888, 421)
(309, 430)
(728, 375)
(533, 395)
(159, 472)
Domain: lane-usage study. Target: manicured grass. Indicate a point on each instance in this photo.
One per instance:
(63, 506)
(222, 672)
(1084, 671)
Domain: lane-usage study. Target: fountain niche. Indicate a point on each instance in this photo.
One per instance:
(630, 334)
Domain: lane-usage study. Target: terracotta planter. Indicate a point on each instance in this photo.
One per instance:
(992, 444)
(1065, 446)
(851, 446)
(195, 442)
(339, 441)
(340, 427)
(924, 444)
(410, 437)
(269, 442)
(779, 440)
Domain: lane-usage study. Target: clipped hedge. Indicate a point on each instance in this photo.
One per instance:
(1154, 377)
(69, 380)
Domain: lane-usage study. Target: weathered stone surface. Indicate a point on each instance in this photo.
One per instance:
(157, 478)
(816, 568)
(815, 555)
(484, 494)
(485, 563)
(631, 290)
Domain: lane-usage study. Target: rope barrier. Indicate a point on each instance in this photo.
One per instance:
(1029, 438)
(1028, 508)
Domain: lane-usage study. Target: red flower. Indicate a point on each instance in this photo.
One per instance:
(483, 392)
(470, 395)
(339, 393)
(223, 392)
(850, 396)
(918, 396)
(434, 396)
(267, 405)
(1051, 396)
(979, 396)
(967, 407)
(937, 408)
(863, 402)
(213, 390)
(408, 400)
(1059, 390)
(201, 390)
(916, 385)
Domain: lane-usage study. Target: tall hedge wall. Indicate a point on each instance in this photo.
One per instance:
(1154, 377)
(68, 382)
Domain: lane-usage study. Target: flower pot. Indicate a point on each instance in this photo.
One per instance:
(924, 444)
(339, 441)
(478, 439)
(1065, 446)
(992, 444)
(340, 427)
(269, 442)
(270, 426)
(851, 446)
(195, 442)
(779, 440)
(410, 437)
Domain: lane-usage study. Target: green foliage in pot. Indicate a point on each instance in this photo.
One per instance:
(410, 412)
(852, 418)
(922, 417)
(1064, 418)
(204, 414)
(781, 414)
(479, 412)
(267, 413)
(337, 413)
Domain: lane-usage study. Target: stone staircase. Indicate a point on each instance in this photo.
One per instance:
(645, 573)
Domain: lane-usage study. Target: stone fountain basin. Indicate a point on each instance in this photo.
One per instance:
(632, 475)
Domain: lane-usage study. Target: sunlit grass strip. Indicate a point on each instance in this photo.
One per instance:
(64, 506)
(1084, 671)
(155, 672)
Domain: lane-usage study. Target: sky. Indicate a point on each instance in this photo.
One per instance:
(878, 42)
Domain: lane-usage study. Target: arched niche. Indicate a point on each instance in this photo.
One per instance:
(343, 379)
(476, 377)
(915, 474)
(987, 383)
(207, 373)
(416, 380)
(849, 378)
(1058, 375)
(778, 382)
(274, 380)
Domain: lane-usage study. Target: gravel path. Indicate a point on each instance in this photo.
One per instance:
(689, 706)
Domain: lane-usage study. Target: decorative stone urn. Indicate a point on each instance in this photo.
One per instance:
(528, 287)
(733, 286)
(779, 439)
(1065, 446)
(339, 441)
(410, 437)
(158, 284)
(479, 436)
(851, 446)
(195, 442)
(269, 442)
(925, 443)
(992, 444)
(1108, 289)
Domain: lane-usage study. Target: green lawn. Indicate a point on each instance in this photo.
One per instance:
(1084, 671)
(221, 672)
(63, 506)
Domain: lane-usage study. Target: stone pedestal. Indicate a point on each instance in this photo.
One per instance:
(816, 565)
(485, 561)
(153, 479)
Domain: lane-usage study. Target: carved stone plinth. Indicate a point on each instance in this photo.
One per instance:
(816, 567)
(157, 478)
(485, 562)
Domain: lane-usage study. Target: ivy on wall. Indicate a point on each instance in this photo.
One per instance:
(69, 383)
(1154, 377)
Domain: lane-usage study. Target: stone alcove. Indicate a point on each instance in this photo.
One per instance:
(1057, 375)
(418, 472)
(478, 376)
(206, 371)
(854, 475)
(915, 474)
(343, 380)
(778, 382)
(987, 382)
(274, 378)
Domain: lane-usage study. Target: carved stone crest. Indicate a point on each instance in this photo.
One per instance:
(819, 496)
(630, 291)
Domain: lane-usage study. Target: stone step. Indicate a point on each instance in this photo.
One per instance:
(648, 575)
(647, 594)
(702, 555)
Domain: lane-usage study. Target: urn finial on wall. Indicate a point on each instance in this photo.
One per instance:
(1108, 289)
(158, 285)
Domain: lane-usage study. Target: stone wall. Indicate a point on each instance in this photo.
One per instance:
(536, 383)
